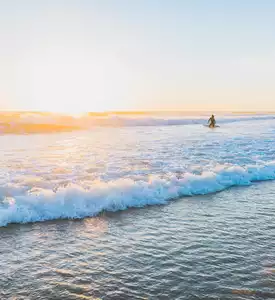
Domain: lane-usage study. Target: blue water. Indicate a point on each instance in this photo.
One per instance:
(217, 244)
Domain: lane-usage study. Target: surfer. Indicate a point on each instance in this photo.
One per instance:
(212, 121)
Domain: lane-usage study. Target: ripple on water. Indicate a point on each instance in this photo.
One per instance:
(219, 246)
(170, 252)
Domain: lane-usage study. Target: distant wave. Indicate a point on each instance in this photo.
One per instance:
(33, 123)
(152, 121)
(74, 201)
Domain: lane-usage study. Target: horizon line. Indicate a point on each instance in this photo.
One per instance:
(134, 111)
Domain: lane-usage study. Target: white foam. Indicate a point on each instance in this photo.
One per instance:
(75, 201)
(122, 121)
(154, 121)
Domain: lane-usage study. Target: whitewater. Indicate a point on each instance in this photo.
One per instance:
(115, 163)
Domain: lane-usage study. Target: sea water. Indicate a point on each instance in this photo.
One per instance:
(147, 208)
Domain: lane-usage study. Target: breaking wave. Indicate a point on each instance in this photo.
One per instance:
(32, 123)
(23, 205)
(154, 121)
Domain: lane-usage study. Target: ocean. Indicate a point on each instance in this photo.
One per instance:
(140, 208)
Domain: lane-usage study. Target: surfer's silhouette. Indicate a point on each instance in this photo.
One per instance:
(212, 121)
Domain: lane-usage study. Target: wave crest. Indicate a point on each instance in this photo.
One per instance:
(74, 201)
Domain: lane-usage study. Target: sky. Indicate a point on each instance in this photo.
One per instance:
(96, 55)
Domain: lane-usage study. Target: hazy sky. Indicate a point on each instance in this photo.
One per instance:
(79, 55)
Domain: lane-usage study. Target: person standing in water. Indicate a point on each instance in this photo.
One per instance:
(212, 121)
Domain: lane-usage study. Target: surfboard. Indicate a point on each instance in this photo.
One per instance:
(205, 125)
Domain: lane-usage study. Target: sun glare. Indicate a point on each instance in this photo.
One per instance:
(73, 85)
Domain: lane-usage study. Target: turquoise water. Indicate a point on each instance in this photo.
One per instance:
(207, 233)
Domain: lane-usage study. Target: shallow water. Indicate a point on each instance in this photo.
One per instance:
(217, 244)
(80, 174)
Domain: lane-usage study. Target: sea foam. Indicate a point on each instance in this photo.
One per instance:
(19, 205)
